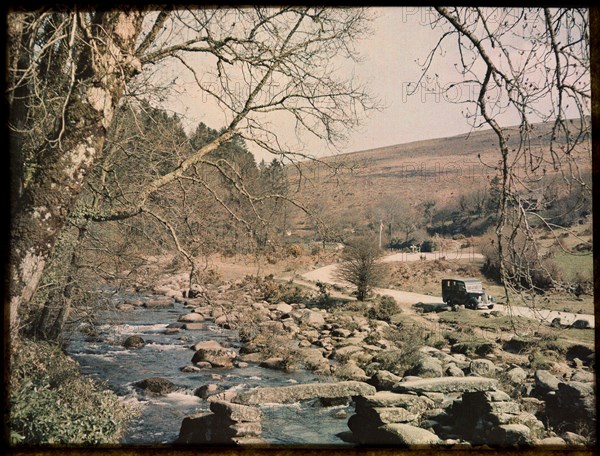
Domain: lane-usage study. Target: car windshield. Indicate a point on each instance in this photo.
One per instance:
(474, 287)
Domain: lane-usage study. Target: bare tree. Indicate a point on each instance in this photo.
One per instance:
(360, 267)
(69, 70)
(532, 64)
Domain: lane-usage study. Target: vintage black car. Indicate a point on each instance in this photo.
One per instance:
(467, 292)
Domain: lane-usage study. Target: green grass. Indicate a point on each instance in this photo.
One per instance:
(572, 264)
(476, 319)
(524, 326)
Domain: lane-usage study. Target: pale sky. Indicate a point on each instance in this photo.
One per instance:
(401, 37)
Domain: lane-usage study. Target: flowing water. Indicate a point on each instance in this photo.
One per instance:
(104, 358)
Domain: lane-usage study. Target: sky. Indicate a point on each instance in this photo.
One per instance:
(401, 38)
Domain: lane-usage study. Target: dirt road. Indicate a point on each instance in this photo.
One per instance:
(406, 299)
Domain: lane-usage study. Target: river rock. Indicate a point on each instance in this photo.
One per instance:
(410, 402)
(312, 318)
(312, 359)
(516, 375)
(158, 303)
(273, 363)
(227, 424)
(551, 442)
(235, 412)
(191, 318)
(207, 345)
(194, 326)
(175, 325)
(581, 324)
(347, 351)
(582, 376)
(545, 381)
(351, 371)
(384, 380)
(482, 368)
(402, 434)
(294, 393)
(386, 415)
(573, 439)
(341, 332)
(134, 342)
(492, 417)
(447, 385)
(156, 385)
(452, 370)
(284, 308)
(226, 396)
(510, 435)
(427, 367)
(221, 357)
(206, 390)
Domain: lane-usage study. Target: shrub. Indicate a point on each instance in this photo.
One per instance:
(52, 403)
(294, 250)
(273, 292)
(428, 245)
(383, 309)
(545, 276)
(324, 297)
(408, 339)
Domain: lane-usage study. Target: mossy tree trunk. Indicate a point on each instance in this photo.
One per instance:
(99, 72)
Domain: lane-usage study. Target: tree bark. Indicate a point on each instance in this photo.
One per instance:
(42, 210)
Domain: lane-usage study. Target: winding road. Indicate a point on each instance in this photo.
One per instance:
(406, 299)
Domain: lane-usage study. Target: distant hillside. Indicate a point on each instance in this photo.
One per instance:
(348, 186)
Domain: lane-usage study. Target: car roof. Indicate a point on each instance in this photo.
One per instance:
(464, 280)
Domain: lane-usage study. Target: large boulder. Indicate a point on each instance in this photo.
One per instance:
(220, 357)
(582, 376)
(206, 390)
(191, 318)
(284, 308)
(384, 380)
(510, 435)
(134, 342)
(446, 385)
(545, 381)
(312, 318)
(351, 371)
(427, 367)
(156, 385)
(452, 370)
(482, 368)
(401, 434)
(312, 359)
(295, 393)
(581, 324)
(410, 402)
(207, 345)
(235, 412)
(347, 351)
(516, 375)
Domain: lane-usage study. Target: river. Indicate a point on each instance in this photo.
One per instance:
(104, 358)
